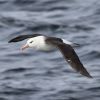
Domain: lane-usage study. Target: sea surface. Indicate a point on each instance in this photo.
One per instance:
(35, 75)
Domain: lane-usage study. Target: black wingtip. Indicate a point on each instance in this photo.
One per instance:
(86, 74)
(89, 76)
(12, 40)
(18, 38)
(23, 37)
(9, 41)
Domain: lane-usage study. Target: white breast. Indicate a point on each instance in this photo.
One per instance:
(39, 44)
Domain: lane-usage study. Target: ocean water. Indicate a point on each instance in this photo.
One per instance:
(34, 75)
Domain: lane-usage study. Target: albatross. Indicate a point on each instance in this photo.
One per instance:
(46, 43)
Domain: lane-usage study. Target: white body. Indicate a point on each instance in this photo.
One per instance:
(39, 43)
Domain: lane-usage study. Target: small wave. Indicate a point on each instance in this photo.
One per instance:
(18, 55)
(92, 55)
(16, 70)
(83, 27)
(2, 2)
(3, 98)
(44, 27)
(23, 2)
(19, 91)
(94, 89)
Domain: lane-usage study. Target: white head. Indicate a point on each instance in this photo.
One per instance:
(33, 42)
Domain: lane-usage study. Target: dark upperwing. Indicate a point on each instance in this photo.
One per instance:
(70, 55)
(23, 37)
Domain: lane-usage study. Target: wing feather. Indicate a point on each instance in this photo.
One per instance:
(23, 37)
(70, 56)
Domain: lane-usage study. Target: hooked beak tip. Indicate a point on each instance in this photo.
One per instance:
(24, 47)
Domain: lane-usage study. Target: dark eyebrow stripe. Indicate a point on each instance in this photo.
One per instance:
(31, 41)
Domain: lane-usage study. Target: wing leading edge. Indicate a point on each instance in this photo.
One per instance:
(23, 37)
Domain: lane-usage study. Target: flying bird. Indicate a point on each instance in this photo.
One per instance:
(46, 43)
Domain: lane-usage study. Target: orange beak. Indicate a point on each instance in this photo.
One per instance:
(24, 47)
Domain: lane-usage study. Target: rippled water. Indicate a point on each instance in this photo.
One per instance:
(33, 75)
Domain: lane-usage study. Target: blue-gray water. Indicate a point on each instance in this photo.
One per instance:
(33, 75)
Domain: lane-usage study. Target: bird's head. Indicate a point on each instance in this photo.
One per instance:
(34, 42)
(30, 43)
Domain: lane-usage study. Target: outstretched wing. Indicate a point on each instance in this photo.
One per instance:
(70, 56)
(23, 37)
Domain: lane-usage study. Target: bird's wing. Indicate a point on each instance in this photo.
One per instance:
(23, 37)
(70, 56)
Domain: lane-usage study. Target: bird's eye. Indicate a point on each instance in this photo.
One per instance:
(31, 42)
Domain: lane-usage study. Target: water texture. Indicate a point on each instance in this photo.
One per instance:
(34, 75)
